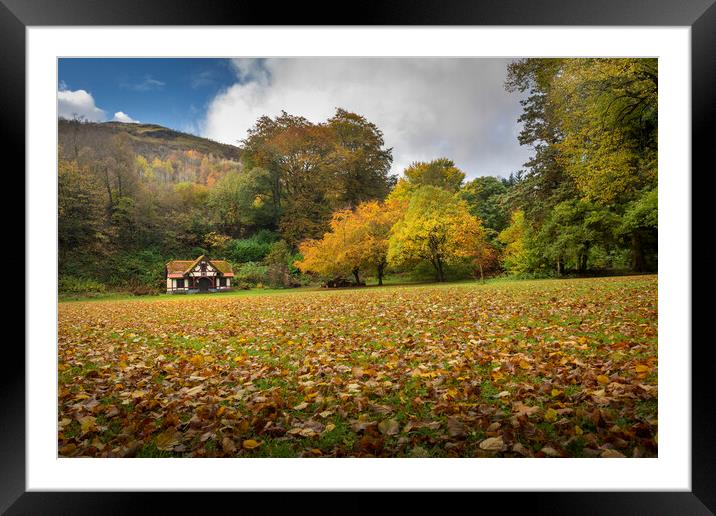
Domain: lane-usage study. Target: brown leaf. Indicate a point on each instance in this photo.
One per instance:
(492, 444)
(612, 454)
(228, 445)
(168, 439)
(456, 428)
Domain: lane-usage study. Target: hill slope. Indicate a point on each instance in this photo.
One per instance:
(149, 140)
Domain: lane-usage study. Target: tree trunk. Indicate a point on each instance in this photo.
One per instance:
(381, 268)
(559, 266)
(482, 275)
(439, 268)
(583, 262)
(119, 184)
(637, 253)
(109, 190)
(356, 273)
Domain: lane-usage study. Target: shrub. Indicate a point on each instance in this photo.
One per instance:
(247, 250)
(140, 268)
(266, 236)
(251, 273)
(75, 285)
(144, 290)
(280, 269)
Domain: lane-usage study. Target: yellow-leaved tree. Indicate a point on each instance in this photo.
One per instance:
(357, 241)
(515, 255)
(437, 228)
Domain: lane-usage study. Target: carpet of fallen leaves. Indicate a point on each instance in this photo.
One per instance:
(552, 368)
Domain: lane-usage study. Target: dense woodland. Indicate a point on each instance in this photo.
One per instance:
(298, 202)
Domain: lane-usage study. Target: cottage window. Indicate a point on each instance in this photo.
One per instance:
(222, 282)
(180, 283)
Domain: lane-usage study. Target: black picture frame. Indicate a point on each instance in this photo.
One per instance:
(700, 15)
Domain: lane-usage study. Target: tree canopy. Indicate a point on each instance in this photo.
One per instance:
(303, 197)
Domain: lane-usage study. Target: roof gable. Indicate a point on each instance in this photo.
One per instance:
(180, 268)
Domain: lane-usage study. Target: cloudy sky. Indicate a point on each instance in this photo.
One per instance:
(426, 107)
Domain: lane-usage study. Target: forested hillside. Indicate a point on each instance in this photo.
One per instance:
(297, 201)
(149, 140)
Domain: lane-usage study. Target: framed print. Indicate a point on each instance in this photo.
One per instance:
(447, 248)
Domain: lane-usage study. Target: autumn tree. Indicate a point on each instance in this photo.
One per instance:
(325, 256)
(122, 164)
(80, 212)
(441, 173)
(362, 164)
(608, 119)
(437, 228)
(357, 241)
(513, 237)
(593, 126)
(608, 109)
(371, 225)
(331, 165)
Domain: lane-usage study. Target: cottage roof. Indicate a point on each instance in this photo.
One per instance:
(224, 267)
(180, 268)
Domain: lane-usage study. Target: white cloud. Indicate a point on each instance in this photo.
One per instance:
(426, 108)
(147, 84)
(120, 116)
(78, 103)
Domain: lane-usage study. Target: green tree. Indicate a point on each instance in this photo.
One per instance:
(573, 228)
(593, 125)
(639, 226)
(483, 196)
(238, 200)
(279, 262)
(361, 161)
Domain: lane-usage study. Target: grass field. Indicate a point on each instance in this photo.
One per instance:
(519, 368)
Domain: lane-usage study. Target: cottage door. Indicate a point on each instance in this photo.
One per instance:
(204, 284)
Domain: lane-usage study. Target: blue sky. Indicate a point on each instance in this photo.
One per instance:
(170, 92)
(427, 108)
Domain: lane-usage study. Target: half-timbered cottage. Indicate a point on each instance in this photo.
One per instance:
(200, 275)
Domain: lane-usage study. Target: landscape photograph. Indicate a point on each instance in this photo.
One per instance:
(316, 257)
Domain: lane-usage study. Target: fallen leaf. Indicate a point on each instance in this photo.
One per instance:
(612, 454)
(455, 427)
(550, 452)
(88, 424)
(389, 426)
(228, 445)
(492, 444)
(524, 410)
(419, 452)
(167, 440)
(250, 444)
